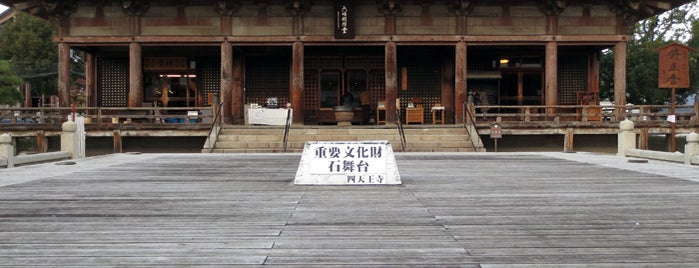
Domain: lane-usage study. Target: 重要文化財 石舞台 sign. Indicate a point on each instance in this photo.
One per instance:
(347, 163)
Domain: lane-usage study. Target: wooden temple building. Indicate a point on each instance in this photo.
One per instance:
(421, 53)
(308, 53)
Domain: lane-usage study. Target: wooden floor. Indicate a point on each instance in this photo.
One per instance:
(464, 210)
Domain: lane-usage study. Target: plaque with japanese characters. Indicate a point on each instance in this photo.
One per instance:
(347, 163)
(673, 66)
(344, 23)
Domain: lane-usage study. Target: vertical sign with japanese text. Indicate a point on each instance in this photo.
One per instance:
(673, 66)
(347, 163)
(344, 24)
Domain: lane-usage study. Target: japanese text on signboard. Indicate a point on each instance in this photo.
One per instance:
(343, 21)
(357, 163)
(673, 67)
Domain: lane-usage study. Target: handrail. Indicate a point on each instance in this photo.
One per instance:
(401, 132)
(218, 120)
(34, 115)
(287, 126)
(586, 113)
(467, 113)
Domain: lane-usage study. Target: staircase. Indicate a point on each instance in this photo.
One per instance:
(263, 139)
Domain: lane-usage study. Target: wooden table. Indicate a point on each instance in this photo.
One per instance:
(414, 115)
(438, 115)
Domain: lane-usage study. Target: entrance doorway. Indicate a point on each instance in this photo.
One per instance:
(328, 77)
(521, 88)
(331, 89)
(171, 89)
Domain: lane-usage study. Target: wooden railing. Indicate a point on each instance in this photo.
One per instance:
(215, 129)
(469, 124)
(485, 113)
(109, 115)
(584, 113)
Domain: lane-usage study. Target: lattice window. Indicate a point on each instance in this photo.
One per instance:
(377, 86)
(424, 80)
(366, 62)
(113, 82)
(209, 74)
(267, 77)
(572, 78)
(311, 94)
(317, 63)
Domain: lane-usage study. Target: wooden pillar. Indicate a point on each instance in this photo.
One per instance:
(460, 94)
(41, 142)
(643, 139)
(620, 77)
(90, 80)
(391, 64)
(551, 91)
(117, 141)
(64, 75)
(593, 73)
(297, 82)
(238, 107)
(448, 90)
(135, 75)
(227, 83)
(27, 94)
(568, 140)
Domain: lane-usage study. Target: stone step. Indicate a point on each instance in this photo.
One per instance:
(270, 139)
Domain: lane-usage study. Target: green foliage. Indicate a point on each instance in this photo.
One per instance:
(27, 44)
(694, 57)
(9, 82)
(642, 57)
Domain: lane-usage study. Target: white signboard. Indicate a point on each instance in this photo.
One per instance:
(347, 163)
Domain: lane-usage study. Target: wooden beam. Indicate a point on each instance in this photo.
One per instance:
(664, 5)
(329, 40)
(390, 24)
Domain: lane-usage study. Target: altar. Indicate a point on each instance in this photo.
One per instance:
(265, 116)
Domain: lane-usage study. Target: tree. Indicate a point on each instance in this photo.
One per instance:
(642, 57)
(27, 44)
(694, 57)
(9, 82)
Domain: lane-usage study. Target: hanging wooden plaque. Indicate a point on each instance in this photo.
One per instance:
(344, 24)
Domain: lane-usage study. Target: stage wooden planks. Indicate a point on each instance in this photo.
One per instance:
(467, 210)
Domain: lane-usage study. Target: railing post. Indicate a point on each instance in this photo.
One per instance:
(626, 138)
(7, 150)
(691, 148)
(117, 141)
(69, 139)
